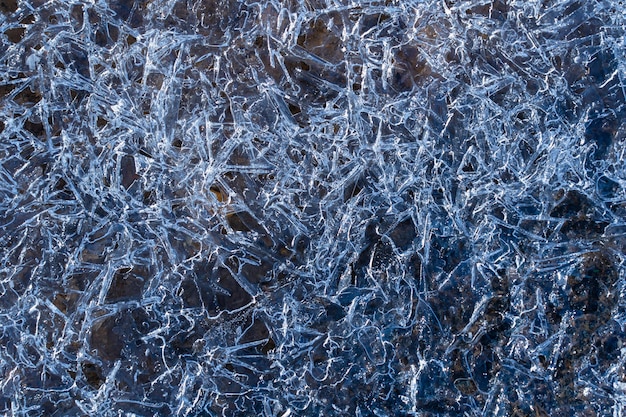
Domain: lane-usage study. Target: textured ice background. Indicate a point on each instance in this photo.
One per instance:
(313, 208)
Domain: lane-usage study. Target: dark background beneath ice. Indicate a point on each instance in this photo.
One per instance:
(312, 208)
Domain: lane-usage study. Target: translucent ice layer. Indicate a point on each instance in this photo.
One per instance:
(312, 208)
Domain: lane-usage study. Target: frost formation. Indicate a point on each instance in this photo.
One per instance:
(312, 208)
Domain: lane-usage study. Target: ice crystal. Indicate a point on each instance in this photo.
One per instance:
(312, 208)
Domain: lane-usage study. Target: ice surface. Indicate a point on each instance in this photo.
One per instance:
(312, 208)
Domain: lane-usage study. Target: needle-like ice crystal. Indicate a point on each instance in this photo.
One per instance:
(312, 208)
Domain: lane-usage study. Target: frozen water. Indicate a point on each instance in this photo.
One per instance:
(312, 208)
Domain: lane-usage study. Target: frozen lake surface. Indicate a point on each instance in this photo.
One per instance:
(312, 208)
